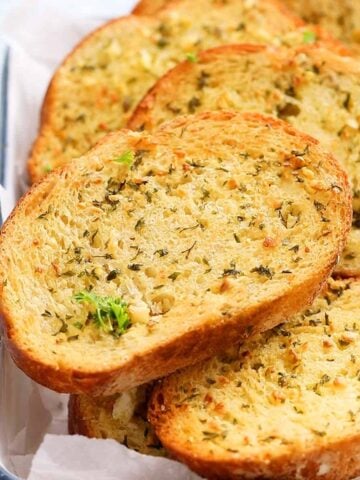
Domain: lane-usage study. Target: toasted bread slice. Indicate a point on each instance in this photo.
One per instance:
(225, 225)
(102, 80)
(282, 406)
(315, 90)
(121, 417)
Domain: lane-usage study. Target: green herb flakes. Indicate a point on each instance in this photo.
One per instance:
(127, 158)
(174, 276)
(110, 313)
(191, 57)
(309, 37)
(264, 271)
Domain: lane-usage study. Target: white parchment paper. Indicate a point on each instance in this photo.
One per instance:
(33, 420)
(116, 462)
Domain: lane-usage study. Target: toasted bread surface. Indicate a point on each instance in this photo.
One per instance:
(121, 417)
(342, 19)
(282, 406)
(96, 88)
(225, 225)
(315, 90)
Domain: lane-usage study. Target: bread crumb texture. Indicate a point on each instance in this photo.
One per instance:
(101, 81)
(284, 405)
(221, 221)
(313, 89)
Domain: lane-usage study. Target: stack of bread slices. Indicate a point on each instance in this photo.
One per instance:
(187, 262)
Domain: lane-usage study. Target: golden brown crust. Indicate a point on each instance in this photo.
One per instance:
(149, 7)
(198, 342)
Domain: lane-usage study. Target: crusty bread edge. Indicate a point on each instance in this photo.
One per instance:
(76, 423)
(150, 7)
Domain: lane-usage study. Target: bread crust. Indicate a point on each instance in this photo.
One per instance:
(326, 459)
(305, 465)
(149, 7)
(197, 343)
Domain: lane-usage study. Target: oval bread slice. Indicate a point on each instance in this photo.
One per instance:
(284, 405)
(150, 7)
(96, 88)
(315, 90)
(121, 417)
(148, 249)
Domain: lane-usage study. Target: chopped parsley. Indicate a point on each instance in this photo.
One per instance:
(161, 252)
(43, 215)
(264, 271)
(191, 57)
(309, 37)
(47, 168)
(135, 267)
(139, 224)
(193, 103)
(232, 272)
(127, 158)
(112, 275)
(110, 313)
(174, 276)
